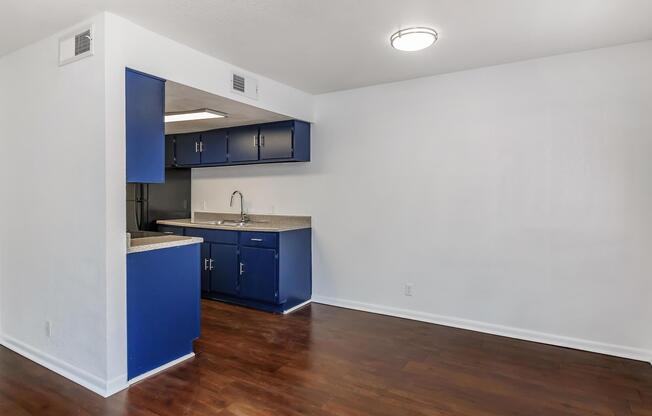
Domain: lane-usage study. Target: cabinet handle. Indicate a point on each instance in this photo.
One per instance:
(241, 268)
(256, 239)
(262, 140)
(210, 264)
(196, 147)
(201, 147)
(255, 141)
(205, 264)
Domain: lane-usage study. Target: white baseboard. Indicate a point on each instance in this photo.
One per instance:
(83, 378)
(161, 368)
(299, 306)
(506, 331)
(116, 385)
(77, 375)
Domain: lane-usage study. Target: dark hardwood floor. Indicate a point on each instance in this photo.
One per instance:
(323, 360)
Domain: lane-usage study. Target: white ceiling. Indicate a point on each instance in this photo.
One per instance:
(179, 97)
(327, 45)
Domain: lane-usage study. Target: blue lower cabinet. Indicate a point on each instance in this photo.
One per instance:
(205, 267)
(271, 271)
(214, 236)
(259, 239)
(224, 269)
(170, 230)
(163, 310)
(258, 280)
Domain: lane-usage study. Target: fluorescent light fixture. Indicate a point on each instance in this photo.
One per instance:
(413, 38)
(202, 114)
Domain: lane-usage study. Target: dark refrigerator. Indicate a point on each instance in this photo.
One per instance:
(147, 203)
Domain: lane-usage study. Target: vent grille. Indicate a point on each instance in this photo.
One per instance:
(238, 83)
(83, 42)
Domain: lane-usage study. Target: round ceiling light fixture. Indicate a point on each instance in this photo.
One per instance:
(413, 38)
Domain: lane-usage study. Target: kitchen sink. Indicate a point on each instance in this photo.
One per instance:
(233, 223)
(230, 223)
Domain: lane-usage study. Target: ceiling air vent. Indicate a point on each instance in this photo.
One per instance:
(83, 42)
(244, 85)
(238, 83)
(76, 45)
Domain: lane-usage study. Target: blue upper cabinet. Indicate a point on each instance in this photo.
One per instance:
(187, 146)
(276, 142)
(285, 141)
(300, 141)
(243, 144)
(169, 152)
(213, 147)
(145, 112)
(194, 149)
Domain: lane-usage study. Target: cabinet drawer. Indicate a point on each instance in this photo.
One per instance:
(214, 236)
(259, 239)
(168, 229)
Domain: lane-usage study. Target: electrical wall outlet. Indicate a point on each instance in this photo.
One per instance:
(408, 289)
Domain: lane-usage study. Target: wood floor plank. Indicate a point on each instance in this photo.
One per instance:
(327, 361)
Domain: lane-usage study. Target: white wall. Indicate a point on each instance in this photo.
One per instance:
(4, 105)
(517, 199)
(52, 216)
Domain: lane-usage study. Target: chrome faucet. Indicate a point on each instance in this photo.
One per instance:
(243, 216)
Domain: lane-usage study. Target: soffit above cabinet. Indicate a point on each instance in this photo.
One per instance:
(179, 98)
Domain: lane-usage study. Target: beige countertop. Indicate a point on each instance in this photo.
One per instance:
(269, 223)
(164, 241)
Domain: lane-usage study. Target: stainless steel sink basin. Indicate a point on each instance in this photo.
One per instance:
(228, 223)
(233, 223)
(207, 222)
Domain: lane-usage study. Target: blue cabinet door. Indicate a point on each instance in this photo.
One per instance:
(276, 141)
(258, 280)
(169, 151)
(243, 144)
(224, 268)
(188, 149)
(205, 267)
(213, 147)
(145, 131)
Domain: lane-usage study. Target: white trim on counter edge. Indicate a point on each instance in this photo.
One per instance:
(176, 242)
(505, 331)
(161, 368)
